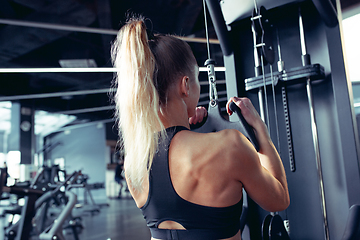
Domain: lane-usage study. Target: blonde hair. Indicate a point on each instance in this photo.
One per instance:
(144, 73)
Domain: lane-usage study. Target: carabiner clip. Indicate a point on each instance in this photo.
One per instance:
(209, 64)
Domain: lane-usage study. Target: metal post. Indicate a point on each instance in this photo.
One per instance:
(306, 61)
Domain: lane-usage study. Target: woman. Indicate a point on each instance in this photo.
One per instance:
(188, 185)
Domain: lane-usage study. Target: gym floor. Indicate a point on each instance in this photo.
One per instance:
(120, 220)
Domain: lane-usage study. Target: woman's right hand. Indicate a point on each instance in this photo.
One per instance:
(250, 114)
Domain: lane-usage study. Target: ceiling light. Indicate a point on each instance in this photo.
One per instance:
(77, 70)
(77, 63)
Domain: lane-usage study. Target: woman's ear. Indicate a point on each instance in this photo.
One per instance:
(184, 87)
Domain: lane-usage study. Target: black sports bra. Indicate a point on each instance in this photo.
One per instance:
(163, 203)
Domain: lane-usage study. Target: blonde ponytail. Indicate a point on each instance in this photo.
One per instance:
(137, 100)
(145, 71)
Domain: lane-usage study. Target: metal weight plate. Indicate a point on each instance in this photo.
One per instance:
(265, 227)
(277, 229)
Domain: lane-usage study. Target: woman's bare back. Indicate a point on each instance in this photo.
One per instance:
(200, 173)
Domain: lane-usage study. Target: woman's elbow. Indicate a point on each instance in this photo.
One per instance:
(284, 199)
(279, 205)
(284, 204)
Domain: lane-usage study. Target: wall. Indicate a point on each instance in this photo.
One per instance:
(84, 149)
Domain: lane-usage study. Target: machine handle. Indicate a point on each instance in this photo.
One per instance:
(249, 131)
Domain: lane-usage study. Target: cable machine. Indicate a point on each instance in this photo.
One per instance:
(307, 107)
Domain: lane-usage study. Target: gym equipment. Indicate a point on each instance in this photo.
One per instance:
(88, 205)
(51, 212)
(34, 200)
(352, 229)
(337, 133)
(24, 225)
(2, 180)
(215, 121)
(281, 69)
(264, 54)
(306, 61)
(55, 230)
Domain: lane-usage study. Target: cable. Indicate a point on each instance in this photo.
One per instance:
(206, 31)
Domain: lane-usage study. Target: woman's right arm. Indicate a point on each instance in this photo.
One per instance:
(262, 174)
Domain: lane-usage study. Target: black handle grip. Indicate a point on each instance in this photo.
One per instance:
(248, 130)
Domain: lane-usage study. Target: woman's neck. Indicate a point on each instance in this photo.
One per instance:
(174, 114)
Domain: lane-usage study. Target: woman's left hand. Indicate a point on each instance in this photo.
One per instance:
(200, 114)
